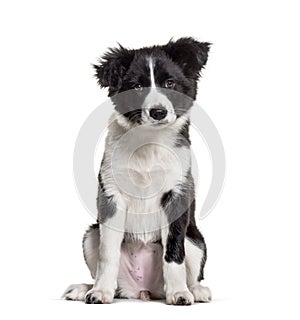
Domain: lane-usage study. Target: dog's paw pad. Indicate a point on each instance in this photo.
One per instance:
(182, 298)
(200, 293)
(181, 301)
(98, 297)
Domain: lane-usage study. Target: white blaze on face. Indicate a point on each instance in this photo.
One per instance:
(152, 73)
(156, 98)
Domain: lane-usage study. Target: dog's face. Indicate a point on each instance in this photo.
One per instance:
(154, 85)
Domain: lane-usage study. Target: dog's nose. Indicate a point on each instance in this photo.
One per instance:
(158, 113)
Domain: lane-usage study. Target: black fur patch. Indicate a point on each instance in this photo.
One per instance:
(166, 198)
(175, 242)
(176, 207)
(183, 137)
(112, 67)
(190, 54)
(101, 185)
(106, 205)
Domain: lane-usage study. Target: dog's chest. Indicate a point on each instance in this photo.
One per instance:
(146, 163)
(145, 167)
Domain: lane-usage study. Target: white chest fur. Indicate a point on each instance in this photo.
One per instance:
(141, 165)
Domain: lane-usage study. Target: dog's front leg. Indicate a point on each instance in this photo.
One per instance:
(173, 239)
(111, 237)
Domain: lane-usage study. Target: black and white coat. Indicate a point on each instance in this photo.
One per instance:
(147, 152)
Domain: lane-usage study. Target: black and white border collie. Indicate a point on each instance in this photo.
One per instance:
(145, 243)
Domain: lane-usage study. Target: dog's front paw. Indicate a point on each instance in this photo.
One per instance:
(181, 298)
(98, 297)
(200, 293)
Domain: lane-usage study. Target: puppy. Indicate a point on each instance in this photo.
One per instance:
(145, 243)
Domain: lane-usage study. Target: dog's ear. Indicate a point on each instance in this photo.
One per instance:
(112, 67)
(189, 54)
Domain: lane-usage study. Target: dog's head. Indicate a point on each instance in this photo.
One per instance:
(153, 85)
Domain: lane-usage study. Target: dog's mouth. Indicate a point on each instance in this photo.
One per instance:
(158, 124)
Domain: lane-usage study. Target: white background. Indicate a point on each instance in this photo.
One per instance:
(250, 89)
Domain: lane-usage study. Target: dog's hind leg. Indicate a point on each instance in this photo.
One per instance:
(195, 250)
(76, 292)
(90, 247)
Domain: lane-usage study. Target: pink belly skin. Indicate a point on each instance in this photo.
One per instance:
(141, 270)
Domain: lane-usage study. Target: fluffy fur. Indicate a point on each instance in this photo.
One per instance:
(146, 190)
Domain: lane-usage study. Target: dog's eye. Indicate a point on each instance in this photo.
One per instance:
(169, 84)
(138, 87)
